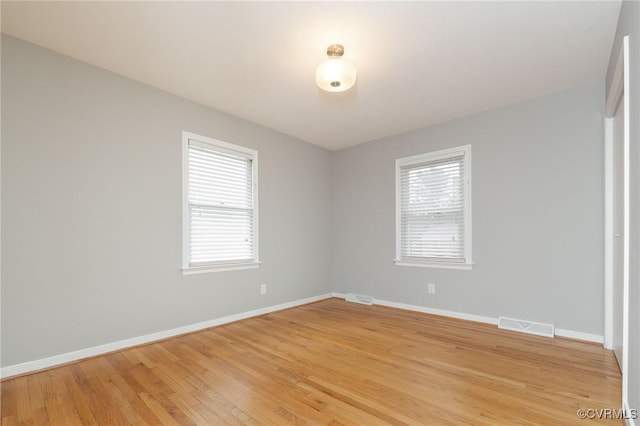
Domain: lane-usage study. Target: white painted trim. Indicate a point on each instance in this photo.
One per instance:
(192, 270)
(561, 332)
(465, 152)
(440, 312)
(185, 199)
(608, 233)
(619, 88)
(616, 91)
(434, 156)
(441, 265)
(49, 362)
(427, 310)
(41, 364)
(245, 152)
(579, 335)
(627, 234)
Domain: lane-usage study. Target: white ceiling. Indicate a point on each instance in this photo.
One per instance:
(419, 63)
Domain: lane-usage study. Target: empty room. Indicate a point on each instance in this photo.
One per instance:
(309, 212)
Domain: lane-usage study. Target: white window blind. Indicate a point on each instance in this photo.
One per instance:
(221, 204)
(434, 208)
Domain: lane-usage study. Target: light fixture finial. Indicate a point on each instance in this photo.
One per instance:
(335, 50)
(335, 74)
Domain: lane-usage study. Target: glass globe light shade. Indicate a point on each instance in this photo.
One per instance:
(336, 74)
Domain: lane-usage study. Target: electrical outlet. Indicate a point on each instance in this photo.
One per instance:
(263, 289)
(431, 288)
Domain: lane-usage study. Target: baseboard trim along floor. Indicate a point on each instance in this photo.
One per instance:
(328, 362)
(57, 360)
(560, 332)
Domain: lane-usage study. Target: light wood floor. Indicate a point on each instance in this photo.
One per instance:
(330, 362)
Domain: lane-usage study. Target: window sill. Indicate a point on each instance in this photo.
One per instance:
(192, 270)
(442, 265)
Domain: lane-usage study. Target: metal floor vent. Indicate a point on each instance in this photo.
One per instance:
(359, 298)
(537, 328)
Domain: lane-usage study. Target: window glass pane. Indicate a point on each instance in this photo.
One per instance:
(432, 208)
(220, 202)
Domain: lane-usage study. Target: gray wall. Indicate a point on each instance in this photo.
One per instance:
(629, 24)
(91, 220)
(537, 214)
(88, 155)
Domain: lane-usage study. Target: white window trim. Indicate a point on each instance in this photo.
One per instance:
(228, 266)
(434, 156)
(193, 270)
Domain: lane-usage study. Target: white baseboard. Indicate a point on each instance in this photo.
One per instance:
(44, 363)
(433, 311)
(571, 334)
(441, 312)
(41, 364)
(579, 335)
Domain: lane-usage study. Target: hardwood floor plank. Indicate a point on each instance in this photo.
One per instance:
(252, 373)
(8, 400)
(158, 409)
(197, 412)
(330, 363)
(60, 399)
(9, 420)
(23, 406)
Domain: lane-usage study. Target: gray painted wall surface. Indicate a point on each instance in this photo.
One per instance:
(629, 24)
(537, 214)
(91, 220)
(84, 266)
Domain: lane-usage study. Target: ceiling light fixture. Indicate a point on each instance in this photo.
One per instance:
(335, 74)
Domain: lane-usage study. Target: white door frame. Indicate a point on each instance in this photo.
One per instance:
(619, 87)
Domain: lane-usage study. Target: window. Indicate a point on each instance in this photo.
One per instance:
(433, 209)
(220, 212)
